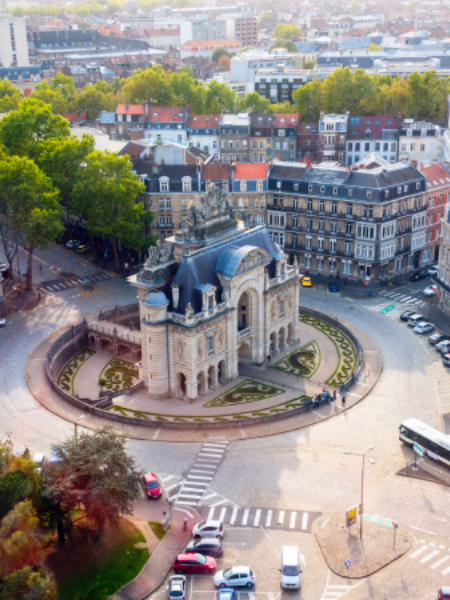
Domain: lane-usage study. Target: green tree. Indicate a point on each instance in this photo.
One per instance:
(218, 52)
(14, 487)
(22, 129)
(219, 97)
(29, 583)
(308, 99)
(93, 100)
(44, 93)
(375, 48)
(95, 474)
(257, 103)
(151, 84)
(286, 31)
(65, 85)
(310, 64)
(106, 195)
(290, 46)
(10, 97)
(187, 90)
(265, 17)
(284, 107)
(32, 205)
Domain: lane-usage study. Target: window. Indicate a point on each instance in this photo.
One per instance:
(308, 224)
(321, 225)
(187, 184)
(225, 186)
(295, 187)
(346, 267)
(349, 210)
(364, 251)
(333, 227)
(281, 308)
(321, 206)
(295, 222)
(347, 248)
(320, 242)
(210, 344)
(309, 205)
(348, 229)
(334, 208)
(332, 245)
(164, 184)
(308, 242)
(365, 231)
(238, 144)
(310, 188)
(243, 186)
(259, 186)
(281, 133)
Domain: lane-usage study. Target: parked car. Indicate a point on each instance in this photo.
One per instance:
(235, 577)
(405, 315)
(430, 290)
(290, 568)
(82, 248)
(432, 271)
(191, 562)
(152, 486)
(71, 244)
(443, 347)
(4, 270)
(226, 594)
(208, 529)
(208, 546)
(446, 360)
(422, 327)
(418, 275)
(177, 587)
(333, 286)
(40, 459)
(2, 322)
(436, 338)
(443, 593)
(306, 282)
(416, 318)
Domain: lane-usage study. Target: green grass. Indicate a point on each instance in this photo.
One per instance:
(157, 529)
(93, 572)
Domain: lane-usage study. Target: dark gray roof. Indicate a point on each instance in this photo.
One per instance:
(156, 299)
(107, 118)
(231, 257)
(201, 268)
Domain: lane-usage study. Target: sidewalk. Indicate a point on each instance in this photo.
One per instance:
(162, 559)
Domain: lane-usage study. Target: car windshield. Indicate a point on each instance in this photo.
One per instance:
(201, 559)
(228, 573)
(152, 485)
(176, 593)
(291, 570)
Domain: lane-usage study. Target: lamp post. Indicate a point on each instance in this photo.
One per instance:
(372, 462)
(76, 425)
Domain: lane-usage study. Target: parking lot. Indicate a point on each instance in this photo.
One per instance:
(261, 550)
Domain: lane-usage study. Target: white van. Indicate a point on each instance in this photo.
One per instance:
(290, 568)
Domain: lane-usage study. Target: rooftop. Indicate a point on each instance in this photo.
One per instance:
(251, 171)
(166, 114)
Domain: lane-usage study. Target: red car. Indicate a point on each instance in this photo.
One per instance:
(152, 486)
(191, 562)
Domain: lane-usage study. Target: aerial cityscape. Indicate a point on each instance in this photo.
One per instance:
(224, 300)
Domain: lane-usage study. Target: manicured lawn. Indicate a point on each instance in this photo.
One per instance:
(93, 572)
(157, 529)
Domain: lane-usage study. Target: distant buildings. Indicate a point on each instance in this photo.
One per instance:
(421, 141)
(13, 41)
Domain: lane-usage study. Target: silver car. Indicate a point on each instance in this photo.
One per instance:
(235, 577)
(208, 529)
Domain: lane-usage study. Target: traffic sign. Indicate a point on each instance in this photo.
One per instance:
(394, 524)
(386, 309)
(418, 449)
(350, 516)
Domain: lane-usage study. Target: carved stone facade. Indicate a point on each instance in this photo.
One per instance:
(214, 296)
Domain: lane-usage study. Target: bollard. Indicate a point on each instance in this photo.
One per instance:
(185, 525)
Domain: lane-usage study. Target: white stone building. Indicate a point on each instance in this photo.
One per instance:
(13, 41)
(216, 295)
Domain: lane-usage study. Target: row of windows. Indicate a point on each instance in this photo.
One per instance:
(335, 190)
(368, 147)
(236, 144)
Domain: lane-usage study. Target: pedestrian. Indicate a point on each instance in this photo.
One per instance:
(343, 401)
(334, 396)
(40, 267)
(39, 294)
(269, 358)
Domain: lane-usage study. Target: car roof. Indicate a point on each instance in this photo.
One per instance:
(240, 569)
(150, 477)
(226, 592)
(212, 541)
(212, 523)
(187, 556)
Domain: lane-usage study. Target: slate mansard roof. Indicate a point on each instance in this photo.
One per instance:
(399, 180)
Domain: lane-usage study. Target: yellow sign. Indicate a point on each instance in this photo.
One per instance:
(350, 516)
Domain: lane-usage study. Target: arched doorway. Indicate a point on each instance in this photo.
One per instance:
(211, 378)
(273, 344)
(201, 383)
(290, 337)
(244, 311)
(182, 384)
(282, 338)
(245, 353)
(222, 372)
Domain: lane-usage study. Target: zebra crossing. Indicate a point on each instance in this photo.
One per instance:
(403, 298)
(60, 285)
(193, 487)
(288, 520)
(436, 558)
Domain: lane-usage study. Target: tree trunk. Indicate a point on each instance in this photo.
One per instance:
(29, 285)
(93, 248)
(116, 256)
(61, 535)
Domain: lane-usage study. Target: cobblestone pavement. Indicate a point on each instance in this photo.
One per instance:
(300, 471)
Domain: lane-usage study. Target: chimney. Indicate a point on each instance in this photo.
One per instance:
(127, 106)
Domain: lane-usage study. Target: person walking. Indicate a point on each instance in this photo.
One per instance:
(343, 401)
(334, 396)
(269, 358)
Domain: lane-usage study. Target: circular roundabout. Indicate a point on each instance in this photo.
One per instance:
(102, 379)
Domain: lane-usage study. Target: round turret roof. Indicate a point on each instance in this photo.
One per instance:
(156, 299)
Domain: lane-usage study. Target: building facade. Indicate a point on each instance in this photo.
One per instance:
(203, 132)
(167, 123)
(249, 191)
(261, 133)
(13, 41)
(278, 84)
(284, 141)
(356, 223)
(214, 296)
(372, 134)
(234, 136)
(443, 277)
(332, 137)
(438, 187)
(421, 141)
(129, 117)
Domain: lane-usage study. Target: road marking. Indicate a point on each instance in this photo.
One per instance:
(183, 495)
(305, 520)
(419, 551)
(233, 516)
(220, 502)
(172, 486)
(184, 503)
(164, 479)
(199, 477)
(281, 518)
(445, 571)
(257, 517)
(293, 517)
(269, 518)
(429, 556)
(211, 456)
(211, 513)
(245, 517)
(439, 562)
(222, 513)
(222, 449)
(424, 530)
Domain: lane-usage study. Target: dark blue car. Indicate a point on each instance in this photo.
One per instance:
(226, 594)
(333, 286)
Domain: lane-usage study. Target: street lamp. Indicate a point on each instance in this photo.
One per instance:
(372, 462)
(76, 425)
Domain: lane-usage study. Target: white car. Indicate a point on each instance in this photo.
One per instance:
(413, 320)
(73, 244)
(430, 290)
(235, 577)
(423, 327)
(208, 529)
(2, 322)
(432, 271)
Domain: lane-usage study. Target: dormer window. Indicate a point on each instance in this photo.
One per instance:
(417, 186)
(423, 133)
(225, 186)
(243, 186)
(164, 184)
(405, 189)
(335, 191)
(279, 185)
(259, 186)
(210, 185)
(409, 132)
(350, 192)
(369, 195)
(295, 187)
(310, 188)
(187, 184)
(399, 190)
(386, 194)
(322, 189)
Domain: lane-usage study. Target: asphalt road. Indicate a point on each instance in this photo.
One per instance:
(302, 472)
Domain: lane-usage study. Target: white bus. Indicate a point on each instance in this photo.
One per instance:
(436, 443)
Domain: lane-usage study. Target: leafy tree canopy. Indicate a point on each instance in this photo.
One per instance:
(218, 52)
(290, 46)
(286, 30)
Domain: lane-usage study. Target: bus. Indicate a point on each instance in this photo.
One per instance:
(435, 443)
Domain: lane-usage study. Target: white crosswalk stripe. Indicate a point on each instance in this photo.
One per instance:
(419, 551)
(287, 520)
(428, 557)
(333, 592)
(440, 562)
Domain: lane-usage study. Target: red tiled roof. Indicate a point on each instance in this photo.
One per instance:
(216, 171)
(130, 109)
(204, 121)
(251, 171)
(190, 45)
(307, 161)
(164, 32)
(436, 176)
(133, 150)
(166, 114)
(278, 122)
